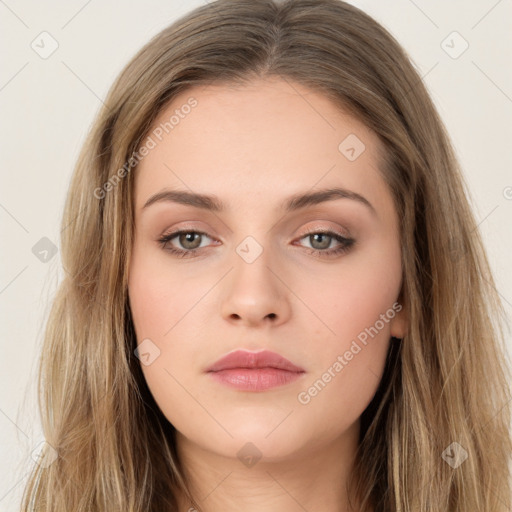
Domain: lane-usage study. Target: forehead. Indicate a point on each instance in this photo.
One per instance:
(267, 138)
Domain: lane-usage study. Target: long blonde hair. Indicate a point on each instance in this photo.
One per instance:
(445, 382)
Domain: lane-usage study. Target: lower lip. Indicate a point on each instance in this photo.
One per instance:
(255, 379)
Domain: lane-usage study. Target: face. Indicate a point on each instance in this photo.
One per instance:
(316, 281)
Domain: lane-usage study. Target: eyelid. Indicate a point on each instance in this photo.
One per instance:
(323, 229)
(310, 230)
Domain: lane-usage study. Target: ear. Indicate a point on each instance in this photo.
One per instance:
(399, 323)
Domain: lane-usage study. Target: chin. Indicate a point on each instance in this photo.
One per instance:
(262, 440)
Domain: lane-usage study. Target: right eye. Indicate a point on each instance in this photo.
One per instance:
(187, 238)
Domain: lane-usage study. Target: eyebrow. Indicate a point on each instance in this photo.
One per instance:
(293, 203)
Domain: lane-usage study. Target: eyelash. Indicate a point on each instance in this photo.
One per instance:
(346, 243)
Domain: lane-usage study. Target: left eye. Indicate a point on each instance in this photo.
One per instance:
(191, 242)
(323, 239)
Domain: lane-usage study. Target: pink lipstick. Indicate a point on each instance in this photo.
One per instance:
(254, 371)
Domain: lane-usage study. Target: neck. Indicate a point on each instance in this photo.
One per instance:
(313, 479)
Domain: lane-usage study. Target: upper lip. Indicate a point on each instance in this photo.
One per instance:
(246, 359)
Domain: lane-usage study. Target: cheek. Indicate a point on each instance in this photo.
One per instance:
(348, 298)
(159, 303)
(358, 306)
(159, 296)
(174, 318)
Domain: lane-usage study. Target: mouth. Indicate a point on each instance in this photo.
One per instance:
(254, 371)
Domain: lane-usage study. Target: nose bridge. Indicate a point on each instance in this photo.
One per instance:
(255, 292)
(253, 264)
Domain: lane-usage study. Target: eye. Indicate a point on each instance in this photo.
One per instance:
(321, 241)
(191, 240)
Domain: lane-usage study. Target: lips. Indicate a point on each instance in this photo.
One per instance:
(254, 360)
(254, 371)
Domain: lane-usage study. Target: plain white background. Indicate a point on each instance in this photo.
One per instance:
(49, 103)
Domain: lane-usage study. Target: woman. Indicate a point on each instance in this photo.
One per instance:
(275, 295)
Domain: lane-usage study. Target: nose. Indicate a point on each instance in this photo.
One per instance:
(255, 294)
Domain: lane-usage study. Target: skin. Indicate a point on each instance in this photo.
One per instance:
(254, 146)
